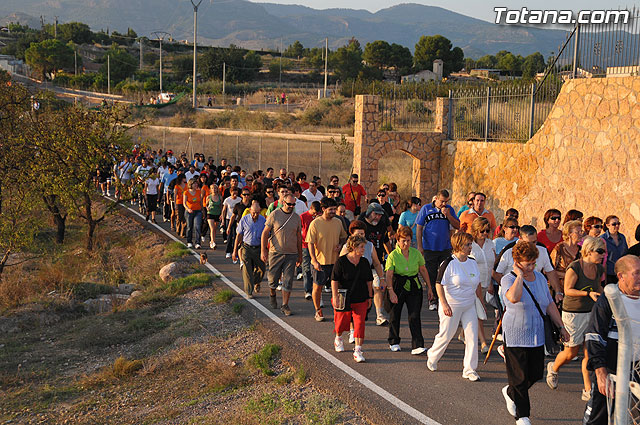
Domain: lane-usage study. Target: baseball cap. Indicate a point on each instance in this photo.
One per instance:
(374, 207)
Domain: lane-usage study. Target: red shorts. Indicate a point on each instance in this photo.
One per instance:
(342, 319)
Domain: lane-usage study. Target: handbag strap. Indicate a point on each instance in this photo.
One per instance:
(532, 297)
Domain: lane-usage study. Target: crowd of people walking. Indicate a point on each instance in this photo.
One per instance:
(381, 254)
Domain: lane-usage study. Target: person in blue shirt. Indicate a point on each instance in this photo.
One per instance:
(433, 225)
(408, 217)
(167, 178)
(616, 246)
(249, 232)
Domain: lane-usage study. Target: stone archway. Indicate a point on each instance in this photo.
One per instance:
(370, 145)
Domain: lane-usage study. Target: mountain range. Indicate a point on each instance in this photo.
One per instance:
(269, 25)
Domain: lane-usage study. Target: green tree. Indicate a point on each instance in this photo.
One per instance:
(19, 200)
(533, 64)
(347, 60)
(315, 58)
(241, 64)
(77, 32)
(507, 61)
(401, 58)
(182, 66)
(487, 62)
(377, 54)
(48, 56)
(295, 50)
(122, 64)
(77, 141)
(430, 48)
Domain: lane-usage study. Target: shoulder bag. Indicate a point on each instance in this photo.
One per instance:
(551, 331)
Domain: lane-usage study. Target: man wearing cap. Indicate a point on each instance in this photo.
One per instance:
(324, 238)
(433, 233)
(170, 158)
(378, 229)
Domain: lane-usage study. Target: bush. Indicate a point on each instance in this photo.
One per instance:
(263, 359)
(223, 296)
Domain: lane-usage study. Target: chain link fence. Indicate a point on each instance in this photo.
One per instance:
(315, 156)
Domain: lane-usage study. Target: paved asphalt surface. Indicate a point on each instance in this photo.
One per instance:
(443, 396)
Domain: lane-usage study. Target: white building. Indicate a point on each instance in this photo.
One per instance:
(426, 75)
(12, 65)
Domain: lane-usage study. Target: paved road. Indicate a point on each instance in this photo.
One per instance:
(444, 395)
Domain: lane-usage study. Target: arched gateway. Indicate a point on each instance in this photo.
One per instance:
(371, 145)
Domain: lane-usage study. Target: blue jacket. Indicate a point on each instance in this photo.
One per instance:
(614, 252)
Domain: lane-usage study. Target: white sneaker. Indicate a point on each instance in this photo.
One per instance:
(357, 355)
(279, 287)
(299, 277)
(198, 246)
(189, 245)
(499, 338)
(307, 295)
(433, 306)
(418, 351)
(327, 290)
(212, 245)
(471, 376)
(511, 405)
(338, 344)
(500, 351)
(224, 241)
(432, 366)
(395, 347)
(352, 339)
(523, 421)
(381, 321)
(228, 255)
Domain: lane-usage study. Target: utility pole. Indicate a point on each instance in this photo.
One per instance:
(280, 77)
(224, 80)
(108, 75)
(160, 36)
(195, 4)
(55, 28)
(75, 61)
(326, 60)
(140, 41)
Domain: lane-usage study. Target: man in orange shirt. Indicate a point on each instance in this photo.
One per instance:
(477, 210)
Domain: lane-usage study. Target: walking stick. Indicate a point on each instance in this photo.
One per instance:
(493, 341)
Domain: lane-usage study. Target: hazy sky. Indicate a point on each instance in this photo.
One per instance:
(476, 9)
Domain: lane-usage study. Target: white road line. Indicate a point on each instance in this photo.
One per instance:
(404, 407)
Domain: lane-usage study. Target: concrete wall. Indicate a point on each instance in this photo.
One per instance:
(585, 156)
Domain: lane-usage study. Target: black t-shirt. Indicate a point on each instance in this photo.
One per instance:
(238, 210)
(344, 272)
(634, 250)
(377, 234)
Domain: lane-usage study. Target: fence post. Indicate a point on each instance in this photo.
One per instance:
(164, 140)
(218, 149)
(260, 155)
(237, 150)
(533, 109)
(575, 51)
(487, 121)
(287, 155)
(450, 116)
(625, 351)
(202, 150)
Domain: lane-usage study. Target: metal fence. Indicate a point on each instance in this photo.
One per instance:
(254, 151)
(405, 107)
(515, 110)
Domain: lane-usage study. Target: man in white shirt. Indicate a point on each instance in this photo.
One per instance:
(312, 194)
(143, 170)
(191, 173)
(543, 263)
(301, 206)
(170, 158)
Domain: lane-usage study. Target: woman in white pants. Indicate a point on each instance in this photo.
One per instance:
(458, 287)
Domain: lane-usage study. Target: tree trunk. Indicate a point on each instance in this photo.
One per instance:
(60, 220)
(3, 261)
(91, 223)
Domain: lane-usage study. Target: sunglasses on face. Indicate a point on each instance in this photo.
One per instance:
(334, 191)
(269, 192)
(600, 251)
(597, 226)
(290, 204)
(617, 223)
(485, 231)
(245, 194)
(555, 217)
(513, 227)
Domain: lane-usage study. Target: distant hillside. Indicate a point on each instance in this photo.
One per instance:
(264, 25)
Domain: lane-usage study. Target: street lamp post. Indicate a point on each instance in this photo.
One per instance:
(195, 4)
(160, 36)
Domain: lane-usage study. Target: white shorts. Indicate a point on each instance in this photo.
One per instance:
(576, 325)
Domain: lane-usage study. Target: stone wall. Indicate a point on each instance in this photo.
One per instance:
(585, 156)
